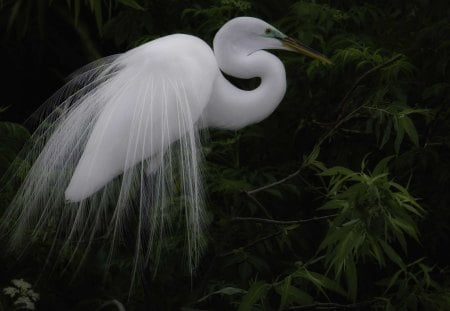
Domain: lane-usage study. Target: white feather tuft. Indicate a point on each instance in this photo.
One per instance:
(121, 148)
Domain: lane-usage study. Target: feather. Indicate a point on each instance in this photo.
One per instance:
(121, 147)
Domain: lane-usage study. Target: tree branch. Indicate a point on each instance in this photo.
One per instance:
(275, 183)
(264, 238)
(258, 203)
(283, 222)
(335, 125)
(343, 102)
(321, 140)
(272, 235)
(334, 306)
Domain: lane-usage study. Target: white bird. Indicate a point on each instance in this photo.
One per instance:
(121, 145)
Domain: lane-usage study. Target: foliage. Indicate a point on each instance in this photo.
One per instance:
(22, 294)
(339, 200)
(12, 138)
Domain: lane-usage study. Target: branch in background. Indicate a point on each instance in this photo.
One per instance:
(283, 222)
(258, 203)
(304, 164)
(271, 221)
(343, 103)
(275, 183)
(334, 306)
(335, 125)
(345, 130)
(264, 238)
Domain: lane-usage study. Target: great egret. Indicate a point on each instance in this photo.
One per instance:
(121, 145)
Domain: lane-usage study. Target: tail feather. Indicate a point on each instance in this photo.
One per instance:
(81, 187)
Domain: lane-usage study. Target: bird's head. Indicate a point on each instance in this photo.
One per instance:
(253, 34)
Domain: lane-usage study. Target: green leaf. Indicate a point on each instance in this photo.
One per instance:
(426, 272)
(376, 251)
(401, 239)
(327, 283)
(224, 291)
(319, 165)
(306, 275)
(291, 294)
(337, 170)
(412, 209)
(351, 276)
(410, 129)
(312, 157)
(344, 250)
(400, 134)
(334, 204)
(392, 280)
(408, 228)
(351, 222)
(334, 236)
(386, 134)
(381, 167)
(352, 193)
(375, 178)
(256, 292)
(283, 290)
(404, 191)
(392, 254)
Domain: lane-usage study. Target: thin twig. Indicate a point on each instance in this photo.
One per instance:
(335, 125)
(283, 222)
(264, 238)
(272, 235)
(258, 203)
(312, 187)
(343, 102)
(276, 182)
(320, 142)
(345, 130)
(333, 306)
(298, 171)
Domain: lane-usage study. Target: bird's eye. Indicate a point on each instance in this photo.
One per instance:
(268, 31)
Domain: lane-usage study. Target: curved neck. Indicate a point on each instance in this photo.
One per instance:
(234, 108)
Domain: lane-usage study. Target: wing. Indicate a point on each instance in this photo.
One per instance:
(133, 113)
(157, 96)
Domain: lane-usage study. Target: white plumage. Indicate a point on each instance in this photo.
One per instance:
(153, 100)
(120, 153)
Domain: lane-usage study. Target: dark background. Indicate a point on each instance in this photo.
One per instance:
(386, 95)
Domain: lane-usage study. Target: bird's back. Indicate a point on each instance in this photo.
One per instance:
(157, 94)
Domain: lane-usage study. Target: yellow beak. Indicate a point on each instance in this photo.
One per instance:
(298, 47)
